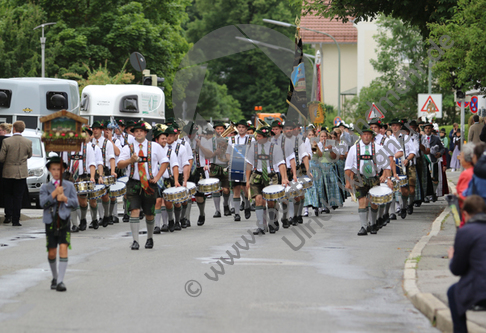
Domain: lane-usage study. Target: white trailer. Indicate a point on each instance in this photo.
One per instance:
(127, 101)
(30, 98)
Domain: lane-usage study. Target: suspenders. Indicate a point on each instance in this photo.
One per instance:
(268, 157)
(169, 151)
(148, 157)
(360, 157)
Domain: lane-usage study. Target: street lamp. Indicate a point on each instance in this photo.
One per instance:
(43, 45)
(276, 47)
(288, 25)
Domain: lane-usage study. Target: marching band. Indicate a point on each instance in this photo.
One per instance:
(275, 167)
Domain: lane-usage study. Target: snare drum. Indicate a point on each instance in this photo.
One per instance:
(305, 181)
(84, 187)
(293, 190)
(380, 195)
(98, 191)
(109, 180)
(191, 188)
(403, 181)
(273, 192)
(396, 184)
(123, 179)
(175, 194)
(117, 190)
(209, 185)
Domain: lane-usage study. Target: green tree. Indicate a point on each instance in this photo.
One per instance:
(250, 77)
(461, 40)
(402, 60)
(417, 13)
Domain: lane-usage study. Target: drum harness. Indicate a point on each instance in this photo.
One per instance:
(268, 157)
(169, 151)
(78, 157)
(360, 157)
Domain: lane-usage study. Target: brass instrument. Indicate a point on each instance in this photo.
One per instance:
(231, 128)
(161, 127)
(260, 124)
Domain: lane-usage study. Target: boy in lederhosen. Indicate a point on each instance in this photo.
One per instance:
(263, 158)
(362, 168)
(142, 160)
(57, 202)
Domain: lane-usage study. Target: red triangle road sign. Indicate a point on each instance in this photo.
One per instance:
(374, 113)
(433, 106)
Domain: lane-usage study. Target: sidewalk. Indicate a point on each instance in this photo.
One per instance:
(427, 276)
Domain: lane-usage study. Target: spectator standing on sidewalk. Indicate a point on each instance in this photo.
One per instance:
(445, 142)
(452, 134)
(455, 163)
(475, 130)
(468, 260)
(15, 152)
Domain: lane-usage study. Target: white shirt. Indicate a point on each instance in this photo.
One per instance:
(90, 159)
(181, 157)
(109, 153)
(119, 146)
(392, 146)
(208, 144)
(173, 161)
(381, 158)
(158, 158)
(187, 145)
(277, 156)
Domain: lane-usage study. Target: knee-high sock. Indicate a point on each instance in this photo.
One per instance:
(404, 202)
(106, 208)
(112, 208)
(201, 205)
(158, 215)
(150, 228)
(259, 215)
(392, 206)
(387, 208)
(135, 227)
(165, 216)
(99, 204)
(184, 210)
(285, 209)
(84, 211)
(94, 211)
(116, 209)
(225, 199)
(236, 205)
(265, 217)
(296, 208)
(272, 216)
(374, 212)
(247, 202)
(177, 213)
(411, 199)
(301, 206)
(230, 199)
(363, 217)
(53, 265)
(74, 217)
(217, 201)
(62, 269)
(291, 208)
(188, 211)
(170, 213)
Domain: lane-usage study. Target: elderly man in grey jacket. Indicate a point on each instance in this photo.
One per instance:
(16, 150)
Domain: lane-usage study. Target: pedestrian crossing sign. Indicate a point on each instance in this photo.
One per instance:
(374, 113)
(430, 105)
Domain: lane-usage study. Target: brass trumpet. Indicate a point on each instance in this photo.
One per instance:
(260, 124)
(231, 128)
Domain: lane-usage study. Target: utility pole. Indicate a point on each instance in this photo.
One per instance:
(43, 46)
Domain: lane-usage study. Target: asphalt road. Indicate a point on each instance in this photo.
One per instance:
(336, 282)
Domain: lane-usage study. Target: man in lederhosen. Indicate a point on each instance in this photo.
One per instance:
(108, 156)
(434, 148)
(176, 210)
(215, 151)
(263, 158)
(117, 147)
(81, 168)
(238, 145)
(186, 206)
(164, 182)
(142, 160)
(364, 161)
(410, 153)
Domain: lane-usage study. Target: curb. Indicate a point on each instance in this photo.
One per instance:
(437, 312)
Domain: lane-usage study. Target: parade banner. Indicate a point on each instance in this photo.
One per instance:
(296, 97)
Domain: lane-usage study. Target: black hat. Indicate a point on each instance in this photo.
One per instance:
(218, 124)
(130, 123)
(290, 123)
(442, 130)
(141, 125)
(412, 123)
(98, 124)
(427, 124)
(171, 130)
(277, 123)
(120, 122)
(157, 132)
(396, 121)
(366, 129)
(88, 130)
(242, 122)
(251, 127)
(324, 129)
(56, 159)
(169, 120)
(265, 131)
(376, 121)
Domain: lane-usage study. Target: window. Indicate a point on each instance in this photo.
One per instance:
(36, 146)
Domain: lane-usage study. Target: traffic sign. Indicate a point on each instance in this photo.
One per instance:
(430, 105)
(466, 104)
(337, 120)
(374, 113)
(473, 106)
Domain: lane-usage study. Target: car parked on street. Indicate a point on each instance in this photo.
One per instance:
(38, 173)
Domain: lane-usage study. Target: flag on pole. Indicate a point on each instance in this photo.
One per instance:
(296, 97)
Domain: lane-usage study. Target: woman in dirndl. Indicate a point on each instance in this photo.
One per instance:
(315, 196)
(342, 151)
(455, 163)
(330, 172)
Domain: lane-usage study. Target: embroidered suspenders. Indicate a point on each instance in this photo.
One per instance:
(147, 159)
(383, 140)
(169, 151)
(360, 157)
(103, 151)
(214, 148)
(268, 157)
(296, 152)
(78, 157)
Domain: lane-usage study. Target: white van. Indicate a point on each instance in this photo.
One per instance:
(28, 99)
(123, 101)
(38, 173)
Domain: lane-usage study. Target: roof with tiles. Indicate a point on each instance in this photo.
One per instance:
(343, 32)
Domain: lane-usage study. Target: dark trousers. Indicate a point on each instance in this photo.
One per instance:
(14, 192)
(458, 321)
